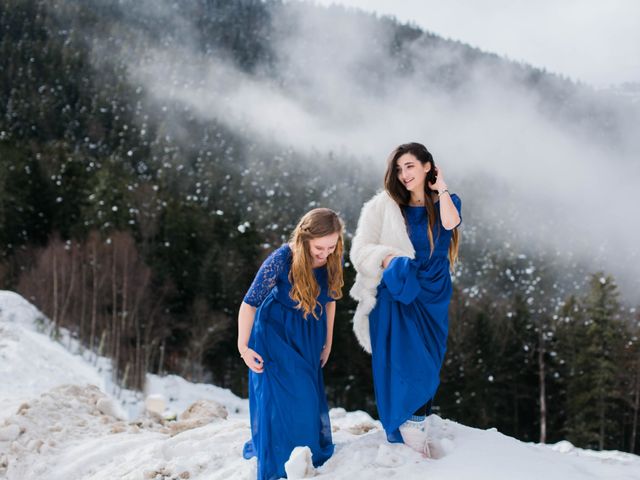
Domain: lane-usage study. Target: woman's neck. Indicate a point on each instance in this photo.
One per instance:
(418, 198)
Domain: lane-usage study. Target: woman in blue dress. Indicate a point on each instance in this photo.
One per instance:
(285, 332)
(403, 251)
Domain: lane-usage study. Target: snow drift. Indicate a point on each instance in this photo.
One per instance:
(59, 420)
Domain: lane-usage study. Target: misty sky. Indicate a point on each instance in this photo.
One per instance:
(595, 41)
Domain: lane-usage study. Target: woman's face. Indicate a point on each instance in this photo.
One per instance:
(321, 247)
(411, 172)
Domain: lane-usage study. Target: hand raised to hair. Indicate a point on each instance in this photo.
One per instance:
(439, 184)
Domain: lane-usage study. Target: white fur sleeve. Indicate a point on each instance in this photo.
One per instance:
(367, 253)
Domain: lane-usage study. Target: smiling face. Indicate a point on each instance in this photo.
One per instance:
(320, 248)
(411, 173)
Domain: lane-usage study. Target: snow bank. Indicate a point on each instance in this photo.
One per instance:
(57, 422)
(30, 362)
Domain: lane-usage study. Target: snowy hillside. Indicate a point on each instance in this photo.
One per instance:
(57, 421)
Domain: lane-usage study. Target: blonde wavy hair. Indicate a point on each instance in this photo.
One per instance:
(316, 223)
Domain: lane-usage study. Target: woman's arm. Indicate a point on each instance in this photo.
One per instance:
(448, 212)
(331, 315)
(264, 281)
(245, 323)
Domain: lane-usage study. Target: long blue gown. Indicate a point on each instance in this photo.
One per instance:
(409, 323)
(287, 403)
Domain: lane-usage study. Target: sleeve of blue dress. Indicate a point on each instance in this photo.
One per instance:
(458, 204)
(267, 277)
(401, 279)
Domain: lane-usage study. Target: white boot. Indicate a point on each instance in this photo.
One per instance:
(414, 435)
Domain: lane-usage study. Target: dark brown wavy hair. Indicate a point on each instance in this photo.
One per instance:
(401, 195)
(316, 223)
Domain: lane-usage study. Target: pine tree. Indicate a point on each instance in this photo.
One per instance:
(596, 345)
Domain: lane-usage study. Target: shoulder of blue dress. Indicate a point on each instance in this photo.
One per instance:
(285, 247)
(284, 254)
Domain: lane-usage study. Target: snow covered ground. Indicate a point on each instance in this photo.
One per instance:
(60, 420)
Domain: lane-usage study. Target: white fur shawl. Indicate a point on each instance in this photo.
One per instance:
(381, 231)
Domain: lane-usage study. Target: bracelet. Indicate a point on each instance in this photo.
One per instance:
(245, 351)
(444, 191)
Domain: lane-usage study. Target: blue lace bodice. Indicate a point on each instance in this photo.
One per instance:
(273, 276)
(417, 225)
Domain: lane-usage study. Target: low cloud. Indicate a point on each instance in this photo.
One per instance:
(339, 86)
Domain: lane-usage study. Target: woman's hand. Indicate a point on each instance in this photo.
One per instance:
(253, 360)
(439, 184)
(387, 260)
(324, 356)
